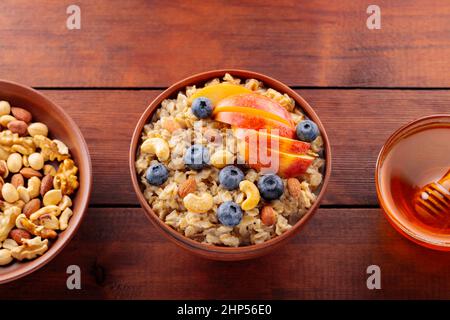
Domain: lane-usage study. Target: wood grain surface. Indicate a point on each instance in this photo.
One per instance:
(142, 43)
(363, 84)
(327, 260)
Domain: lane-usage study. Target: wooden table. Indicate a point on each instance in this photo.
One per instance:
(363, 84)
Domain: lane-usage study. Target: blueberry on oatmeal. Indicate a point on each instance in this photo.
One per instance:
(157, 174)
(229, 214)
(202, 108)
(196, 157)
(270, 186)
(230, 176)
(307, 131)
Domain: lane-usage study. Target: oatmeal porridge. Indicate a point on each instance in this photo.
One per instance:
(232, 163)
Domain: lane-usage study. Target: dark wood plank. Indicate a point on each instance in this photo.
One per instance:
(122, 255)
(154, 43)
(358, 122)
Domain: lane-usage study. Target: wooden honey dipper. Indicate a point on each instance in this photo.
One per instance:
(433, 200)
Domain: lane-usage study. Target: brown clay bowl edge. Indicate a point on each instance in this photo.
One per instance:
(217, 252)
(81, 199)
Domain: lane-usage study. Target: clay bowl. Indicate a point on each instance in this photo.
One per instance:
(61, 126)
(210, 251)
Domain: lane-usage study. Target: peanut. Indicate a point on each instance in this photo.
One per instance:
(5, 108)
(221, 158)
(14, 162)
(9, 193)
(251, 193)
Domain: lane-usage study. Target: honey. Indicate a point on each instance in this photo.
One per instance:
(410, 163)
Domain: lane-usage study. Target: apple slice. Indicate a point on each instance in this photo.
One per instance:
(257, 101)
(263, 138)
(217, 92)
(286, 165)
(256, 112)
(254, 120)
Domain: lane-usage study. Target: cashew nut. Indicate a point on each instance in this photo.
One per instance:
(51, 209)
(64, 218)
(34, 185)
(10, 193)
(52, 197)
(65, 203)
(23, 194)
(49, 221)
(221, 158)
(5, 257)
(251, 193)
(30, 249)
(158, 147)
(198, 204)
(8, 221)
(9, 244)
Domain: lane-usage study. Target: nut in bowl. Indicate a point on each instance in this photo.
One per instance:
(229, 164)
(45, 179)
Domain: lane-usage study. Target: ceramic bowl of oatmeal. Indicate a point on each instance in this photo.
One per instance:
(45, 180)
(229, 164)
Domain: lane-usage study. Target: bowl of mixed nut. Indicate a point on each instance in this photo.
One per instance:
(229, 164)
(45, 180)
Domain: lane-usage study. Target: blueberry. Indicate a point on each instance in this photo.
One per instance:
(230, 176)
(307, 130)
(202, 107)
(196, 157)
(270, 186)
(157, 174)
(229, 214)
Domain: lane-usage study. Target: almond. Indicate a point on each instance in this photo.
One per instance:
(18, 234)
(29, 172)
(21, 114)
(294, 187)
(46, 184)
(18, 126)
(17, 180)
(268, 216)
(31, 207)
(187, 187)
